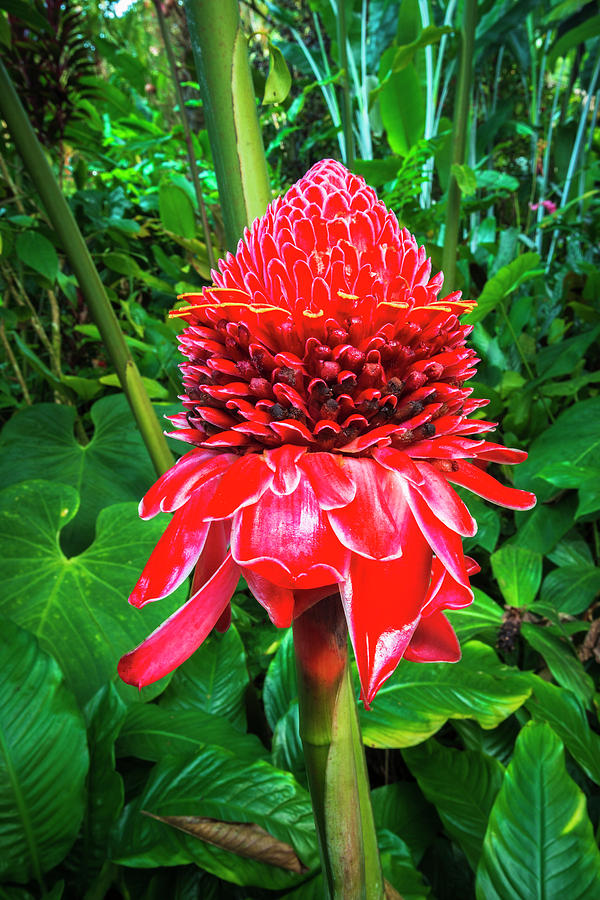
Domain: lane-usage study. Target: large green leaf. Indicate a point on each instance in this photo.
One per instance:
(576, 431)
(215, 784)
(152, 732)
(280, 687)
(43, 759)
(78, 606)
(462, 785)
(565, 713)
(539, 844)
(214, 679)
(559, 655)
(39, 442)
(401, 808)
(518, 572)
(104, 716)
(419, 698)
(176, 210)
(38, 253)
(571, 589)
(482, 619)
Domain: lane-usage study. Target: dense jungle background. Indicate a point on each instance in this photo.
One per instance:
(482, 772)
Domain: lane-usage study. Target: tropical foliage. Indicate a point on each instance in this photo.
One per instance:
(486, 773)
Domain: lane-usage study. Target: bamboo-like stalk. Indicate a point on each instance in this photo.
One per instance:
(221, 58)
(334, 755)
(459, 137)
(346, 106)
(185, 122)
(72, 241)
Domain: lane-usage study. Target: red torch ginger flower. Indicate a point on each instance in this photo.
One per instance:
(324, 394)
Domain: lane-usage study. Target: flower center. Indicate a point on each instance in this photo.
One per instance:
(342, 381)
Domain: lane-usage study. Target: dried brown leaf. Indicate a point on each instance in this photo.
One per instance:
(243, 838)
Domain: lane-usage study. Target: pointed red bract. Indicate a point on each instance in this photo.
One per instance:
(326, 395)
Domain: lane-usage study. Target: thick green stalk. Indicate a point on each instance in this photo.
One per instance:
(459, 140)
(346, 105)
(186, 130)
(79, 257)
(221, 55)
(334, 755)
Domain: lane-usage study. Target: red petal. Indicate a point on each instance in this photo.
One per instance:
(288, 540)
(444, 502)
(224, 621)
(444, 542)
(245, 481)
(173, 488)
(499, 454)
(213, 554)
(373, 522)
(434, 641)
(283, 461)
(397, 461)
(329, 480)
(174, 556)
(446, 593)
(278, 601)
(383, 603)
(177, 638)
(482, 484)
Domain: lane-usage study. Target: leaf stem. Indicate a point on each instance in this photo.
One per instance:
(334, 755)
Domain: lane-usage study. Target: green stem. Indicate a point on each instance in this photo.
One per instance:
(346, 106)
(334, 755)
(72, 241)
(459, 139)
(186, 130)
(221, 55)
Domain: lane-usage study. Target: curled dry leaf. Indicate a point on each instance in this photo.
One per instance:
(244, 838)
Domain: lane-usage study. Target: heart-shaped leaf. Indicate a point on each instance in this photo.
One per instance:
(43, 759)
(39, 442)
(539, 841)
(78, 606)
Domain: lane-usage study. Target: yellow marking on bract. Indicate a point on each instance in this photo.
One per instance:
(397, 304)
(347, 296)
(312, 315)
(257, 309)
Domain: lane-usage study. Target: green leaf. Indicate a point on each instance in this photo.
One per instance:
(398, 867)
(539, 842)
(279, 79)
(560, 658)
(286, 747)
(583, 31)
(585, 479)
(215, 784)
(565, 713)
(504, 282)
(114, 466)
(38, 253)
(214, 679)
(43, 759)
(28, 14)
(419, 698)
(104, 716)
(401, 809)
(152, 732)
(77, 606)
(402, 105)
(578, 428)
(465, 178)
(571, 589)
(280, 687)
(154, 389)
(462, 785)
(86, 388)
(176, 210)
(518, 572)
(483, 619)
(562, 358)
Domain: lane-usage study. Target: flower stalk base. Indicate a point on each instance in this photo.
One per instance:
(334, 754)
